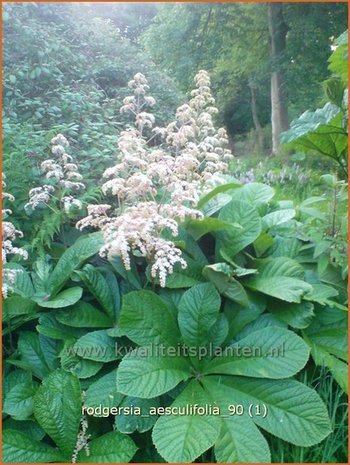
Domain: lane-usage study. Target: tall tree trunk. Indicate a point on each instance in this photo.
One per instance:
(255, 116)
(279, 104)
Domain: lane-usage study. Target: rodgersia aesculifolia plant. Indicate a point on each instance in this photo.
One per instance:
(154, 187)
(9, 235)
(64, 176)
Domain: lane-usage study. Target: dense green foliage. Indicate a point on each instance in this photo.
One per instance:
(108, 361)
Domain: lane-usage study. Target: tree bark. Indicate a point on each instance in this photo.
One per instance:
(255, 116)
(279, 103)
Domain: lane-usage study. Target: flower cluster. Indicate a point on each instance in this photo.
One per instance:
(82, 440)
(63, 173)
(9, 234)
(157, 187)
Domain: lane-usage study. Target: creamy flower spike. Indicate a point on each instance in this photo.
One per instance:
(63, 173)
(9, 234)
(157, 187)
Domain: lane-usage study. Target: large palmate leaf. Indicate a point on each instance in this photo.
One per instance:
(57, 408)
(73, 258)
(295, 413)
(146, 319)
(20, 448)
(198, 311)
(239, 439)
(112, 447)
(322, 131)
(183, 438)
(281, 278)
(231, 240)
(271, 352)
(141, 374)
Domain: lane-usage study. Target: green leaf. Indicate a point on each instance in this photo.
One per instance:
(129, 423)
(278, 217)
(145, 373)
(188, 277)
(220, 274)
(198, 228)
(254, 193)
(23, 285)
(219, 331)
(183, 438)
(82, 368)
(295, 412)
(112, 447)
(51, 328)
(321, 293)
(338, 368)
(97, 346)
(338, 62)
(238, 316)
(19, 448)
(131, 276)
(146, 319)
(32, 354)
(217, 190)
(280, 278)
(98, 286)
(73, 258)
(332, 339)
(234, 240)
(16, 305)
(104, 392)
(83, 315)
(322, 131)
(63, 299)
(262, 244)
(239, 441)
(198, 311)
(271, 352)
(28, 427)
(19, 401)
(57, 408)
(298, 316)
